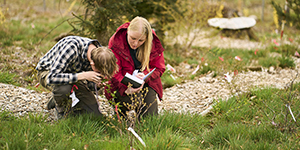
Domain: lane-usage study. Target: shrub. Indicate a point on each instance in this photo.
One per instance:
(102, 18)
(292, 15)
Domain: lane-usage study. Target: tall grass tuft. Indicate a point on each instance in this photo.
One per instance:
(268, 61)
(8, 78)
(286, 62)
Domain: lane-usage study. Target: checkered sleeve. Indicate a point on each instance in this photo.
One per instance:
(65, 58)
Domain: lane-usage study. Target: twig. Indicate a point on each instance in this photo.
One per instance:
(267, 114)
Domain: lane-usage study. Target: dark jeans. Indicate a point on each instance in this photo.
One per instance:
(136, 102)
(87, 100)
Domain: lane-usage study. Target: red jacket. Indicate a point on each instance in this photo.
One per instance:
(120, 48)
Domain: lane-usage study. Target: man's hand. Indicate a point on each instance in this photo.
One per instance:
(90, 76)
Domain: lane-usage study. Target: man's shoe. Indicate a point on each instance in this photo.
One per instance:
(51, 103)
(59, 115)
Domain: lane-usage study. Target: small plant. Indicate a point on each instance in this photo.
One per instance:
(288, 49)
(286, 62)
(282, 115)
(205, 69)
(36, 118)
(8, 78)
(133, 116)
(169, 80)
(268, 61)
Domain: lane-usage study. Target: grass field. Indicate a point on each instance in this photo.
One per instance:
(256, 120)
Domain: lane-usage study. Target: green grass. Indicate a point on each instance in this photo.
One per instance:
(268, 62)
(239, 123)
(18, 32)
(8, 78)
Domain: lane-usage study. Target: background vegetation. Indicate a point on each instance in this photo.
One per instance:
(30, 28)
(29, 34)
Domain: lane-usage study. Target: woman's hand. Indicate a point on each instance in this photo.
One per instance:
(131, 90)
(140, 75)
(90, 76)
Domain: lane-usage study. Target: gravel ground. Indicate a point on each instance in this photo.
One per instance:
(195, 96)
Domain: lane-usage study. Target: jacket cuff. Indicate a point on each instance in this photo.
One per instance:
(122, 89)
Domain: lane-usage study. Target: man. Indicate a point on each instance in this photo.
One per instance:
(75, 62)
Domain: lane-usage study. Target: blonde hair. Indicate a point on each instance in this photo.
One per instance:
(143, 52)
(105, 61)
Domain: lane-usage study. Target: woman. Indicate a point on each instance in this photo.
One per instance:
(137, 47)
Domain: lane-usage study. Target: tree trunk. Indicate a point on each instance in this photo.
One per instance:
(44, 2)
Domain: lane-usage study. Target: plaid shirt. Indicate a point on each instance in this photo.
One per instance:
(65, 59)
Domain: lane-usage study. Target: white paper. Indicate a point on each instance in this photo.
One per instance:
(135, 72)
(75, 100)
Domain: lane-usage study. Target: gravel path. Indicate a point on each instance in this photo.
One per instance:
(195, 96)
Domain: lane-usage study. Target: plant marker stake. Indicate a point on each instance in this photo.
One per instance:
(172, 77)
(297, 54)
(137, 136)
(274, 41)
(289, 107)
(236, 72)
(171, 68)
(228, 77)
(37, 85)
(221, 58)
(202, 59)
(237, 58)
(256, 51)
(194, 72)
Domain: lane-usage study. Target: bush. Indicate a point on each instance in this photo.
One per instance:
(102, 18)
(292, 15)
